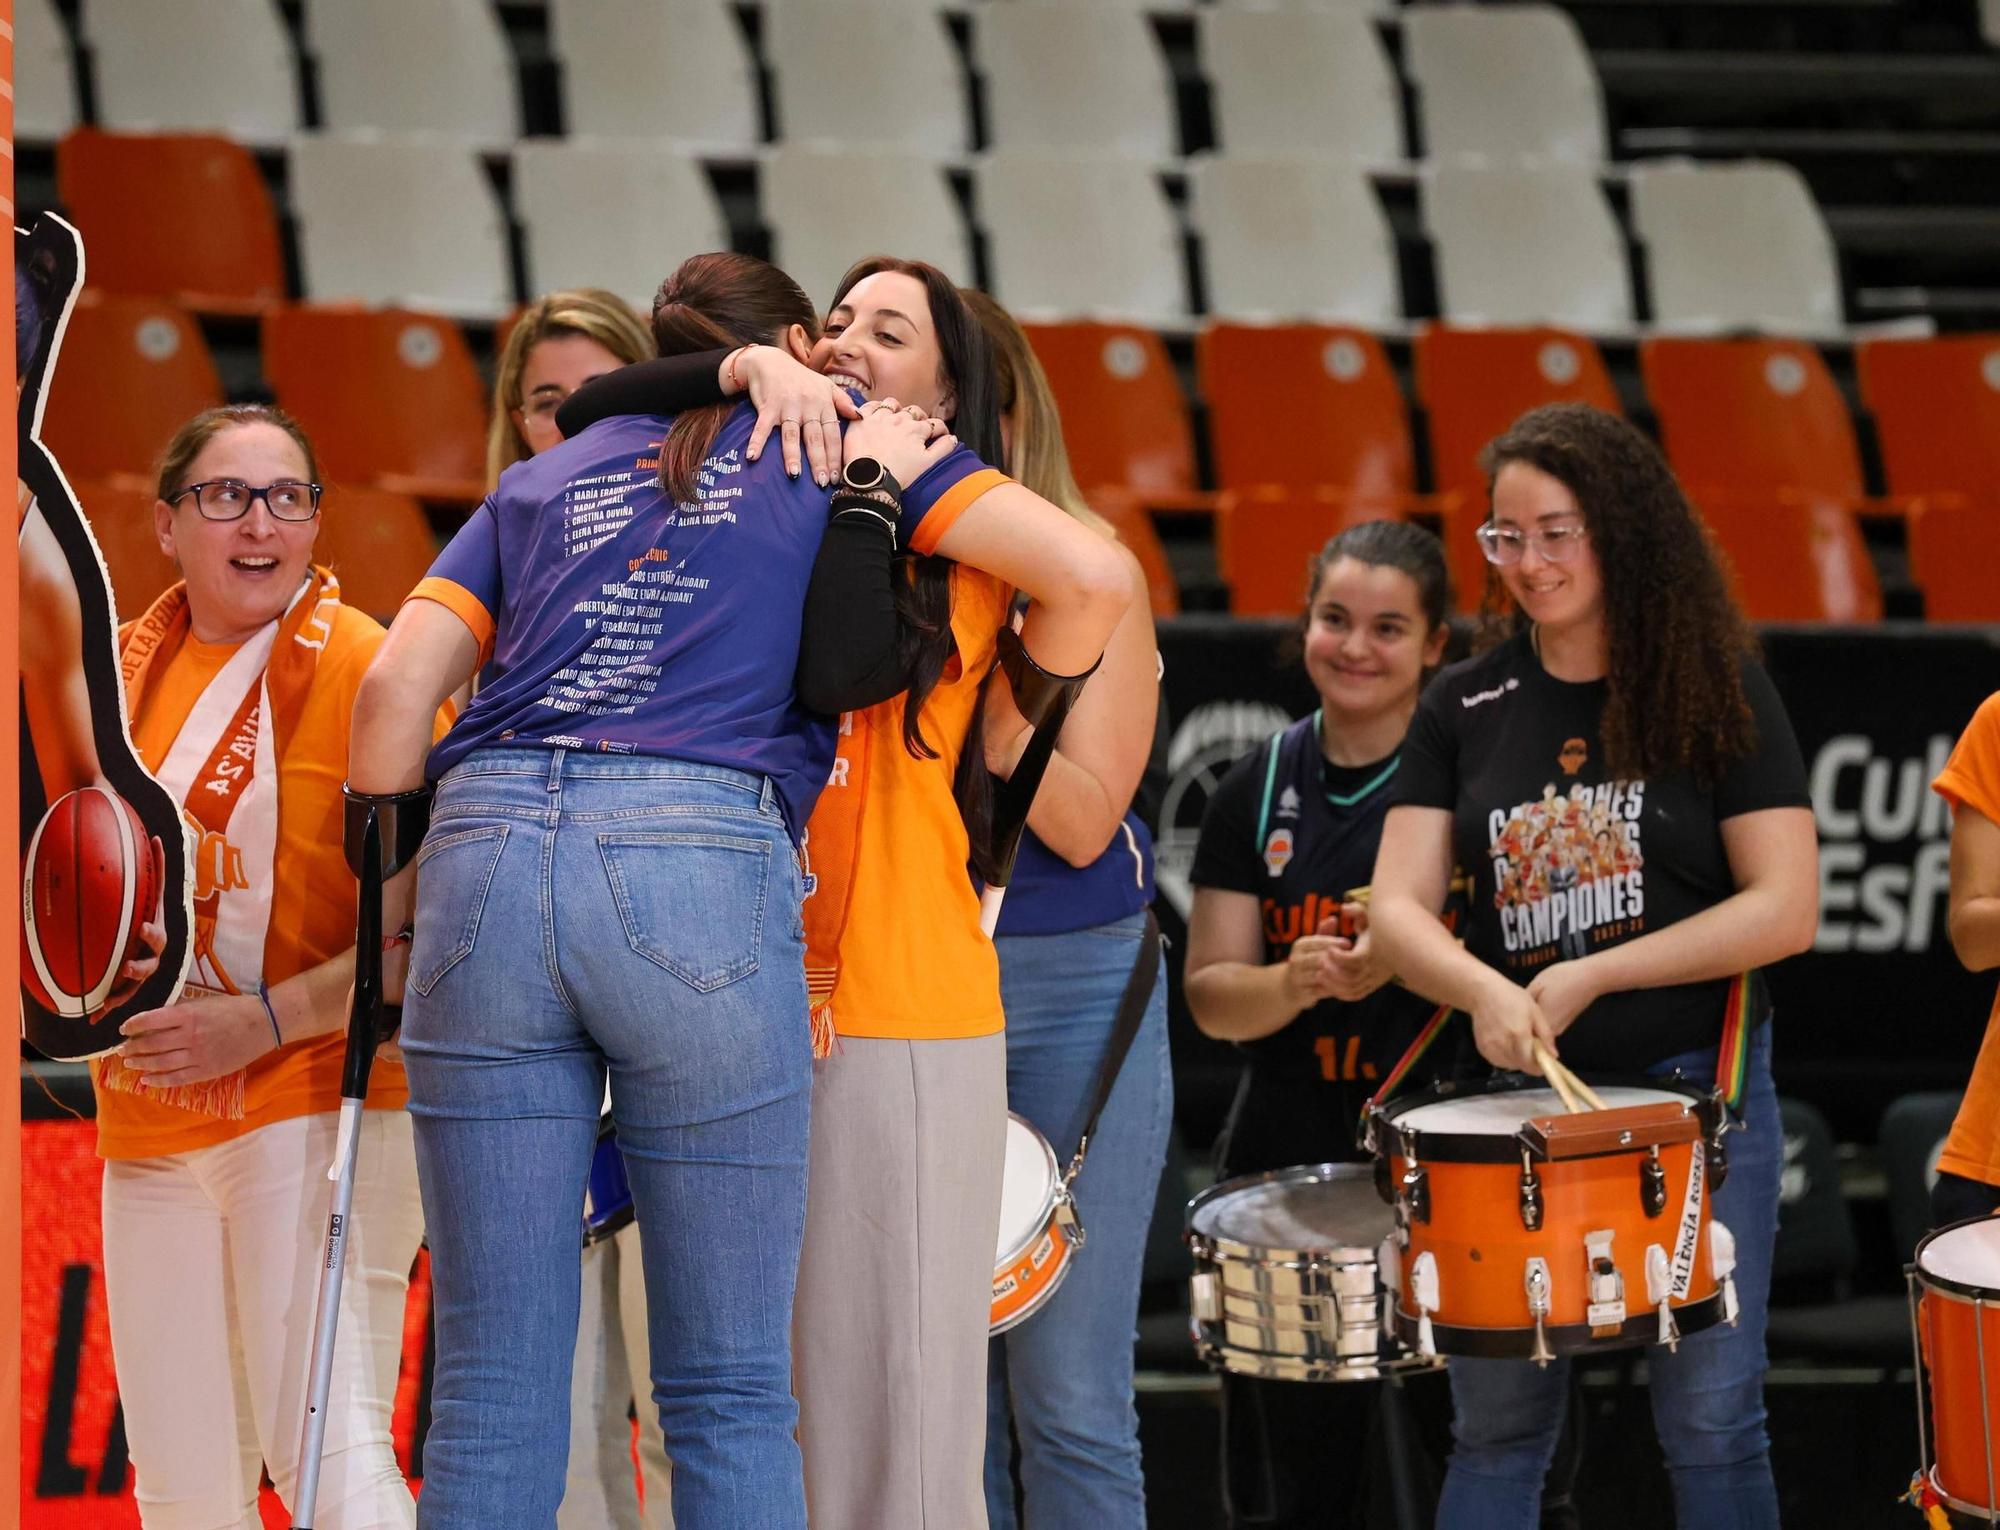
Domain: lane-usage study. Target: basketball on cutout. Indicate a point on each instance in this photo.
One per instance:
(90, 882)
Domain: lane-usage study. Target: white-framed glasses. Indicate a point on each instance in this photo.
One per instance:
(1503, 545)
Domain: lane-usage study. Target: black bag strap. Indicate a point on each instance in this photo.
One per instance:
(1124, 1027)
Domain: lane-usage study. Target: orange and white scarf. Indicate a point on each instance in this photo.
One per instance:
(223, 769)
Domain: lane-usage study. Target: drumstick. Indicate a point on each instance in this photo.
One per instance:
(1565, 1082)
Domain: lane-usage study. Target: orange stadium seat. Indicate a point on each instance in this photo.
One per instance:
(120, 512)
(130, 373)
(1265, 539)
(1937, 413)
(187, 217)
(1954, 553)
(1799, 559)
(1473, 384)
(1123, 417)
(1135, 529)
(379, 543)
(390, 398)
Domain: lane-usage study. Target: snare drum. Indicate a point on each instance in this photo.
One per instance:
(607, 1194)
(1526, 1232)
(1286, 1283)
(1039, 1230)
(1957, 1317)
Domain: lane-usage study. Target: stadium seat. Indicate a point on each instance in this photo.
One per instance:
(1954, 552)
(678, 69)
(1074, 77)
(390, 399)
(1911, 1135)
(185, 217)
(1473, 384)
(379, 543)
(1294, 239)
(1129, 518)
(442, 66)
(1733, 247)
(1503, 82)
(1266, 539)
(586, 222)
(1124, 419)
(1525, 245)
(1283, 81)
(216, 66)
(130, 373)
(399, 220)
(1304, 406)
(1042, 212)
(44, 77)
(1937, 413)
(120, 512)
(1798, 558)
(828, 207)
(820, 49)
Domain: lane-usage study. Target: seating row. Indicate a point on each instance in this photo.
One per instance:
(1489, 80)
(1308, 427)
(418, 221)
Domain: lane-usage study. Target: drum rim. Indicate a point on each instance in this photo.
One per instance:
(1564, 1338)
(1391, 1139)
(1052, 1197)
(1213, 1246)
(1044, 1291)
(1944, 1285)
(1286, 1367)
(1961, 1505)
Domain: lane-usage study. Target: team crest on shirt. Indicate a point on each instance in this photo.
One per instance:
(1572, 756)
(1278, 852)
(1288, 802)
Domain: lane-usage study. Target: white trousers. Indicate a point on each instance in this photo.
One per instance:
(614, 1368)
(211, 1264)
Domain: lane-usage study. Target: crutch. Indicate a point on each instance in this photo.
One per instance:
(398, 820)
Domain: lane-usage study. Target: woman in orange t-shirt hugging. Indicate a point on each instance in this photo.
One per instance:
(216, 1118)
(1968, 1183)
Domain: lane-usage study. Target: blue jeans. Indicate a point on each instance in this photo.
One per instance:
(1708, 1398)
(1068, 1369)
(578, 912)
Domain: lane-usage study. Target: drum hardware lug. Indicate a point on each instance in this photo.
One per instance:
(1714, 1146)
(1204, 1300)
(1536, 1281)
(1066, 1215)
(1531, 1194)
(1659, 1287)
(1415, 1200)
(1605, 1285)
(1722, 1264)
(1652, 1183)
(1424, 1291)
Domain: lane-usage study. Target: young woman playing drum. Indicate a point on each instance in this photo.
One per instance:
(1282, 963)
(1968, 1182)
(1621, 780)
(1061, 1383)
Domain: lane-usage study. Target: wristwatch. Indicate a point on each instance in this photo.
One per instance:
(865, 475)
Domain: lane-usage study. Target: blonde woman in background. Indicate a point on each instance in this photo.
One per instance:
(1070, 931)
(561, 341)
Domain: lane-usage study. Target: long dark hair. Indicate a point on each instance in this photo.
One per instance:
(713, 300)
(1675, 665)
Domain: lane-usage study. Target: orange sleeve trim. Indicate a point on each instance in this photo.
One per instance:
(464, 605)
(953, 503)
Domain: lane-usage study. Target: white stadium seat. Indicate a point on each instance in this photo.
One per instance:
(409, 221)
(1302, 82)
(415, 66)
(44, 81)
(827, 56)
(1294, 239)
(1081, 236)
(1738, 246)
(1499, 82)
(618, 215)
(1527, 244)
(829, 207)
(222, 66)
(1074, 77)
(677, 69)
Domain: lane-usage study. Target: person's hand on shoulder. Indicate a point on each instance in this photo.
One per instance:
(805, 408)
(901, 437)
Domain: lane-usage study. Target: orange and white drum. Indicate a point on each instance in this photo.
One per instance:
(1526, 1232)
(1039, 1229)
(1955, 1302)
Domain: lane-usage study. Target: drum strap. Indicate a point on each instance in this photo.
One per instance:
(1124, 1027)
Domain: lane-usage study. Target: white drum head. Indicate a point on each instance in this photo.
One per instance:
(1966, 1256)
(1298, 1211)
(1027, 1192)
(1500, 1113)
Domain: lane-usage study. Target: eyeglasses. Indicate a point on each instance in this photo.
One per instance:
(543, 405)
(224, 499)
(1504, 545)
